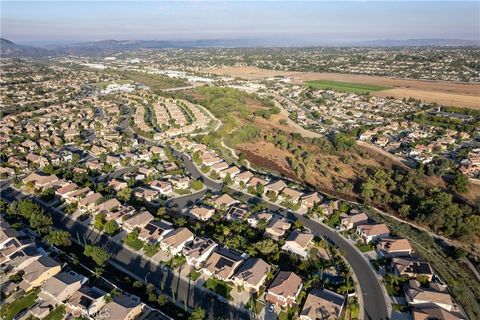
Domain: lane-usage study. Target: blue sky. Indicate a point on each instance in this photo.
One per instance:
(296, 21)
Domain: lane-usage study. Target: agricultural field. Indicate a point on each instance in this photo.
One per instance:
(344, 86)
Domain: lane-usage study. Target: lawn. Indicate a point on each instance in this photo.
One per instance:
(10, 310)
(194, 275)
(255, 306)
(56, 314)
(136, 244)
(344, 86)
(218, 287)
(364, 247)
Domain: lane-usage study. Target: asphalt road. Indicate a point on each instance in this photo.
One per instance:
(375, 307)
(123, 258)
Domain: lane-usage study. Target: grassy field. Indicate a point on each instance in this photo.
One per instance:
(344, 86)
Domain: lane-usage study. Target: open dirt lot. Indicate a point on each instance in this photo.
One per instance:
(442, 92)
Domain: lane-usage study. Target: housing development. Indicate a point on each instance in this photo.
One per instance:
(264, 160)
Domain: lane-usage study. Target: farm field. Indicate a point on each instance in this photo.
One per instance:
(443, 92)
(344, 86)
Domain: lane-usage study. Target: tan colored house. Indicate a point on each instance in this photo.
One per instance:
(89, 202)
(223, 200)
(176, 240)
(138, 221)
(223, 263)
(298, 243)
(309, 200)
(353, 220)
(276, 186)
(38, 271)
(393, 247)
(412, 267)
(372, 232)
(86, 301)
(284, 289)
(322, 304)
(60, 287)
(291, 194)
(107, 206)
(277, 228)
(244, 177)
(41, 181)
(435, 313)
(155, 231)
(254, 181)
(202, 213)
(252, 274)
(198, 251)
(416, 295)
(117, 185)
(122, 308)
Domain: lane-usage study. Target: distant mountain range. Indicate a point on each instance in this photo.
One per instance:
(105, 47)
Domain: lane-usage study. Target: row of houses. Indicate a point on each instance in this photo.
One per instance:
(56, 285)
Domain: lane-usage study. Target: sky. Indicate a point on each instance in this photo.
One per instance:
(295, 21)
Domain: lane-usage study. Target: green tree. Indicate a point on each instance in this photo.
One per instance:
(197, 185)
(460, 182)
(124, 194)
(99, 255)
(99, 221)
(260, 189)
(197, 314)
(110, 227)
(59, 238)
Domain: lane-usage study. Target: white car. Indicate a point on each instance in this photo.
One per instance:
(271, 308)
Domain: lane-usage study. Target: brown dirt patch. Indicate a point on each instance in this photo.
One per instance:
(442, 92)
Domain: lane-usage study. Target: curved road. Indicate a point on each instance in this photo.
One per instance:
(372, 294)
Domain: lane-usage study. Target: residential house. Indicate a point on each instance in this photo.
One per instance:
(41, 181)
(38, 271)
(254, 219)
(89, 202)
(309, 200)
(254, 181)
(202, 213)
(176, 240)
(232, 171)
(290, 195)
(252, 274)
(284, 289)
(243, 177)
(146, 194)
(198, 251)
(223, 263)
(418, 296)
(107, 206)
(138, 221)
(60, 287)
(394, 247)
(372, 232)
(435, 313)
(275, 186)
(223, 201)
(354, 220)
(237, 212)
(298, 243)
(277, 228)
(86, 301)
(155, 231)
(412, 267)
(117, 184)
(164, 187)
(322, 304)
(122, 307)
